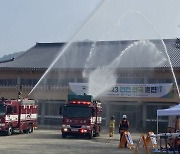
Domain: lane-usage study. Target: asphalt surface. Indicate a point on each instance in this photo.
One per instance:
(50, 142)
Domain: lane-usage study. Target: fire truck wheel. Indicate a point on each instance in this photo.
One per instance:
(90, 136)
(96, 135)
(9, 131)
(30, 128)
(63, 135)
(25, 131)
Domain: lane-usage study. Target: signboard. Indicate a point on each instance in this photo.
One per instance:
(129, 138)
(151, 137)
(126, 138)
(163, 90)
(142, 90)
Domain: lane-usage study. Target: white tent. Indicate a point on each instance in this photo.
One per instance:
(175, 110)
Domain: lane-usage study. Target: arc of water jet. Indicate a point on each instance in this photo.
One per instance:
(172, 70)
(89, 58)
(157, 32)
(67, 45)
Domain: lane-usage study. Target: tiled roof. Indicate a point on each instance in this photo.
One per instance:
(39, 56)
(118, 54)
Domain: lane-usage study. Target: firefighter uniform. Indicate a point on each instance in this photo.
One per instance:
(111, 127)
(123, 126)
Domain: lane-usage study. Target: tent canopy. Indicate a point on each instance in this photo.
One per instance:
(175, 110)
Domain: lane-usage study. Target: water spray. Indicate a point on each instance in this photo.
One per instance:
(66, 46)
(157, 32)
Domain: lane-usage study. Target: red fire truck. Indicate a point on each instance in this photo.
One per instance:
(81, 116)
(17, 115)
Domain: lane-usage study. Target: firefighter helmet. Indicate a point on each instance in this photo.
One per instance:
(124, 116)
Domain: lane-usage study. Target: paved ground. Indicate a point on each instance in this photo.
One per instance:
(50, 142)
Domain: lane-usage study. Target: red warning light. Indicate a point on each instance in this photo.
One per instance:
(80, 102)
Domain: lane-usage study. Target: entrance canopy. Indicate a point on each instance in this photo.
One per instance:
(175, 110)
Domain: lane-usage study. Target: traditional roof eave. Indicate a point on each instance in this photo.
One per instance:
(80, 69)
(21, 69)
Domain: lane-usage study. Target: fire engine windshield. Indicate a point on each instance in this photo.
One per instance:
(77, 111)
(2, 109)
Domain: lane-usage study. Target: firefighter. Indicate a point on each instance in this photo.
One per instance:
(123, 126)
(19, 95)
(111, 127)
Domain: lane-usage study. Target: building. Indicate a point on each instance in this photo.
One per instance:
(24, 72)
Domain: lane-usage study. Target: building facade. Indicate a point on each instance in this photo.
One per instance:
(25, 72)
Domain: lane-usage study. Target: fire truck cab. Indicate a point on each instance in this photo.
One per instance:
(81, 116)
(17, 115)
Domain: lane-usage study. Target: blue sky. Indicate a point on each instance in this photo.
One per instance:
(25, 22)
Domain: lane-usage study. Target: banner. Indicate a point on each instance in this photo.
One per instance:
(161, 90)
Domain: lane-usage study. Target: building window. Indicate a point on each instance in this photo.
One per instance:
(164, 81)
(83, 80)
(52, 81)
(29, 81)
(3, 82)
(26, 81)
(152, 80)
(160, 80)
(131, 80)
(34, 81)
(12, 81)
(52, 109)
(8, 82)
(169, 81)
(178, 81)
(59, 81)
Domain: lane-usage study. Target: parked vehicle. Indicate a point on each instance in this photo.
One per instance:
(81, 116)
(18, 115)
